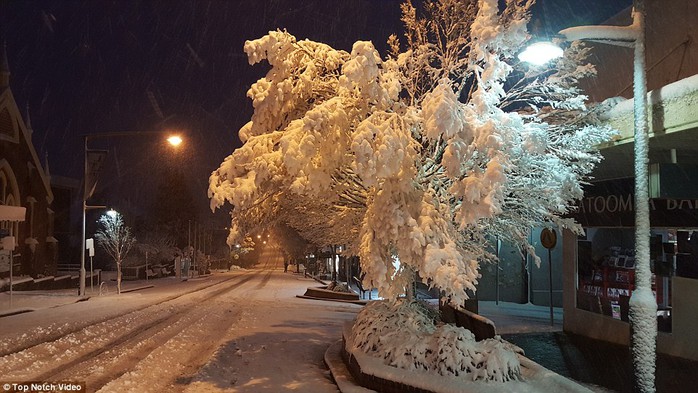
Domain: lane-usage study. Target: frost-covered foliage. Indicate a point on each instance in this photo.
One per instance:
(116, 239)
(403, 333)
(418, 156)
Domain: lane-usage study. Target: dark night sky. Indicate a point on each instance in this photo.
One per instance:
(90, 66)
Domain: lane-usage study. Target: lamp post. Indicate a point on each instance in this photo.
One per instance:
(90, 174)
(643, 305)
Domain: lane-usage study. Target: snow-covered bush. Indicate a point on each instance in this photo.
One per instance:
(341, 287)
(405, 335)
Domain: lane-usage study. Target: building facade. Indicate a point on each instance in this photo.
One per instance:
(24, 182)
(599, 267)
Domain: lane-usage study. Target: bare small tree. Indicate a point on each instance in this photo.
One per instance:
(116, 239)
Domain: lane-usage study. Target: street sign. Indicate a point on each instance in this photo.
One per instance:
(5, 261)
(548, 238)
(8, 243)
(94, 161)
(90, 246)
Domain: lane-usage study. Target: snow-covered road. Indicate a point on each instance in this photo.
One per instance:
(246, 332)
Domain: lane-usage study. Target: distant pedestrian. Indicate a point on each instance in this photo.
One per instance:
(186, 264)
(285, 265)
(178, 265)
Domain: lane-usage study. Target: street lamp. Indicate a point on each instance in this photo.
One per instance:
(540, 53)
(174, 140)
(93, 163)
(643, 305)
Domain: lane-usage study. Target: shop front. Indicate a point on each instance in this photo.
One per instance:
(599, 268)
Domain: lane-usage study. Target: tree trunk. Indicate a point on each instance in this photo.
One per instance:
(118, 277)
(412, 287)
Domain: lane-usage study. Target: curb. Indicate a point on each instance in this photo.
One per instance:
(342, 377)
(15, 312)
(328, 299)
(137, 288)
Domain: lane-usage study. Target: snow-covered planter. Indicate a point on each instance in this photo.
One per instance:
(339, 287)
(325, 293)
(405, 335)
(371, 372)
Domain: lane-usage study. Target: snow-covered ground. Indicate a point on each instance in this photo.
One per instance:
(243, 331)
(240, 331)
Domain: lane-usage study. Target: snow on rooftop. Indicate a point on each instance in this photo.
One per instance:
(672, 91)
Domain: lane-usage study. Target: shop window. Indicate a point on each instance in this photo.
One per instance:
(687, 254)
(606, 271)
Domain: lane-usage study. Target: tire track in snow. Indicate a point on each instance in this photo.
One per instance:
(269, 265)
(180, 358)
(37, 336)
(51, 360)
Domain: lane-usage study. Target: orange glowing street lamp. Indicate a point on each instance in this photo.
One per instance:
(93, 163)
(174, 140)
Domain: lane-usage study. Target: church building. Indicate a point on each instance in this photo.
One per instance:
(24, 182)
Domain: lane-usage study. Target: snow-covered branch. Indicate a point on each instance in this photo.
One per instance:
(116, 239)
(416, 159)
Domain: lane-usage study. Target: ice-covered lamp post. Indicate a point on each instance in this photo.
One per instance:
(91, 170)
(643, 305)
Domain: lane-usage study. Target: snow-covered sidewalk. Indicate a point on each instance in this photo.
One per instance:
(26, 301)
(511, 318)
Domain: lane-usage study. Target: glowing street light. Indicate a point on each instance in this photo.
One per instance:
(174, 140)
(91, 170)
(540, 53)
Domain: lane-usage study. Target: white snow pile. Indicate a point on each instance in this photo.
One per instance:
(404, 334)
(339, 287)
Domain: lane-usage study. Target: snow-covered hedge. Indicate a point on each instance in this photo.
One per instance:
(406, 335)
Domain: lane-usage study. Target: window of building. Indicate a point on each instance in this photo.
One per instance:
(606, 269)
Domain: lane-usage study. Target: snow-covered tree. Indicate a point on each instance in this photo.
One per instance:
(425, 152)
(416, 158)
(116, 239)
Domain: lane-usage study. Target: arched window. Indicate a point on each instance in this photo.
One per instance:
(8, 130)
(9, 195)
(3, 187)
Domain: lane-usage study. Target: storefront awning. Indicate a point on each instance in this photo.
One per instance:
(12, 213)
